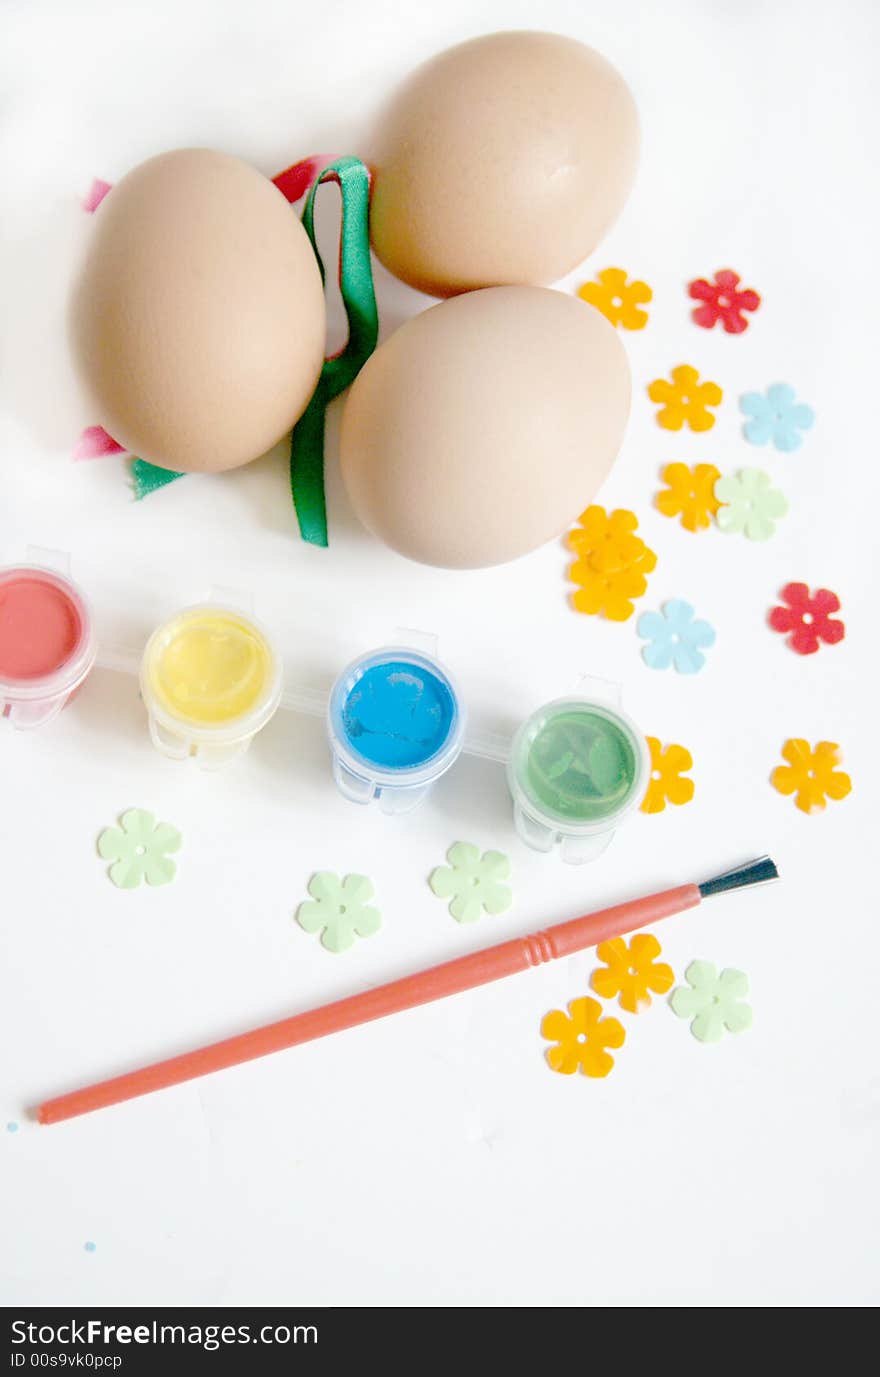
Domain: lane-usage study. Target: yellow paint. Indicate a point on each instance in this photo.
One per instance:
(209, 666)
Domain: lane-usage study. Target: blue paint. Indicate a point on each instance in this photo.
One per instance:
(90, 1247)
(12, 1128)
(396, 714)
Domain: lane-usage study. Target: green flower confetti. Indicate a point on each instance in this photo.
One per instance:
(473, 883)
(339, 910)
(713, 1001)
(138, 848)
(752, 505)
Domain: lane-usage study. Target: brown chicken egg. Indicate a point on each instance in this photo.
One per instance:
(502, 160)
(198, 322)
(485, 425)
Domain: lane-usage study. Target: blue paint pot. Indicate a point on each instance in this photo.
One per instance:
(395, 723)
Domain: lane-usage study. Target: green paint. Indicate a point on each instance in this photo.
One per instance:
(579, 764)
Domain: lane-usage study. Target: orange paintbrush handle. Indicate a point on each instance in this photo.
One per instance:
(464, 973)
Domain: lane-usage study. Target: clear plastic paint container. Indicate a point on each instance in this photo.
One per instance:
(47, 639)
(210, 679)
(577, 767)
(396, 723)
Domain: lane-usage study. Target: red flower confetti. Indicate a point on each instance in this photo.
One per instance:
(808, 618)
(722, 301)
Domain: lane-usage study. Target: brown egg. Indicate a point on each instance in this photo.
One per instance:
(198, 323)
(505, 159)
(485, 425)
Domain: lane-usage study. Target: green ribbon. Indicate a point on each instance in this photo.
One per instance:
(148, 477)
(338, 372)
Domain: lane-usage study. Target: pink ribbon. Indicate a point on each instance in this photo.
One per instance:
(294, 181)
(95, 195)
(95, 443)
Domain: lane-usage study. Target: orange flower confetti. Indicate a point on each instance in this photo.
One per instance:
(685, 400)
(581, 1037)
(810, 774)
(613, 563)
(608, 541)
(631, 971)
(618, 299)
(690, 494)
(666, 783)
(610, 595)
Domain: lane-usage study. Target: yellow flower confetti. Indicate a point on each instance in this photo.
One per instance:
(666, 783)
(581, 1037)
(611, 595)
(613, 563)
(810, 774)
(690, 494)
(618, 299)
(630, 971)
(685, 400)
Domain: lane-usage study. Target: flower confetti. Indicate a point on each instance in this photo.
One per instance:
(474, 883)
(686, 401)
(667, 783)
(811, 775)
(339, 909)
(618, 299)
(751, 505)
(582, 1038)
(722, 301)
(139, 848)
(675, 637)
(612, 565)
(630, 971)
(690, 494)
(807, 616)
(713, 1002)
(776, 416)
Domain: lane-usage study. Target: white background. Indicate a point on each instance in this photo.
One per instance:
(434, 1158)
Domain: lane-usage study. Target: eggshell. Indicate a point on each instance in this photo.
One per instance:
(505, 159)
(485, 425)
(198, 323)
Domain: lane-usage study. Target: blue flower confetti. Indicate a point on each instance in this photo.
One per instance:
(675, 637)
(776, 416)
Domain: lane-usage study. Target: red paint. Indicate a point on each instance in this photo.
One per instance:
(41, 624)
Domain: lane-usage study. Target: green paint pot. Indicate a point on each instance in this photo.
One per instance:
(577, 768)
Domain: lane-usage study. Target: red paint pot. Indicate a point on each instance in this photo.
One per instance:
(47, 643)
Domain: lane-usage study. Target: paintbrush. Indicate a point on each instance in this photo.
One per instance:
(464, 973)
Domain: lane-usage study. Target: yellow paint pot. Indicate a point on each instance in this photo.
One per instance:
(210, 680)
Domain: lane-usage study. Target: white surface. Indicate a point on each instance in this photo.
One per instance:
(434, 1158)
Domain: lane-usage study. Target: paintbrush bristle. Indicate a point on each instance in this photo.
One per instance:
(751, 873)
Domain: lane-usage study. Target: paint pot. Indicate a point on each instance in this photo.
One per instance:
(210, 679)
(395, 723)
(578, 766)
(47, 642)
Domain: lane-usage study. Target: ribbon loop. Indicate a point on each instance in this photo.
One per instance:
(340, 371)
